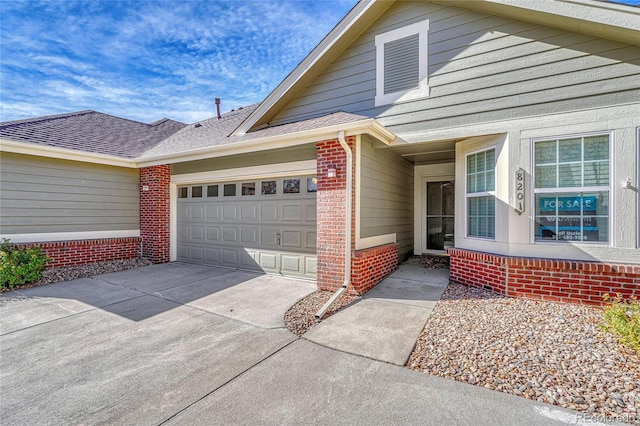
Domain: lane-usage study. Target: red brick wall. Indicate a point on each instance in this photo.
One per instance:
(154, 212)
(71, 253)
(370, 266)
(331, 209)
(545, 279)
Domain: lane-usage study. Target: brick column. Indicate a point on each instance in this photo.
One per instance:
(155, 211)
(331, 209)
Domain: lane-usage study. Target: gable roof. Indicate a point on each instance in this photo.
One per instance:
(201, 140)
(591, 17)
(92, 132)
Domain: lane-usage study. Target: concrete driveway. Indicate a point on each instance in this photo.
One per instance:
(187, 344)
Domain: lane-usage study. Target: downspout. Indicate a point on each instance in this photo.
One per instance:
(347, 254)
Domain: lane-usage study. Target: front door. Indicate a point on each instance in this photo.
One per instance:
(440, 215)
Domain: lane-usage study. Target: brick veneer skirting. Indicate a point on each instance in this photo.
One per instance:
(370, 266)
(72, 253)
(545, 279)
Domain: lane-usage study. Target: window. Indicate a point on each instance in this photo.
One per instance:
(229, 189)
(291, 186)
(212, 190)
(196, 192)
(481, 203)
(183, 192)
(269, 187)
(401, 64)
(312, 184)
(572, 189)
(249, 188)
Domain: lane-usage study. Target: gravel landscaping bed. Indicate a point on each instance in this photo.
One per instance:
(302, 316)
(68, 273)
(549, 352)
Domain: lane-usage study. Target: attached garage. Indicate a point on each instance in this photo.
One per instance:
(266, 224)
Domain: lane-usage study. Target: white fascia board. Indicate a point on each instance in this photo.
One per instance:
(325, 45)
(63, 154)
(69, 236)
(368, 126)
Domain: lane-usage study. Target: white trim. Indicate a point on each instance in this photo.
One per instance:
(63, 154)
(69, 236)
(559, 190)
(378, 240)
(367, 126)
(293, 168)
(422, 223)
(173, 222)
(493, 194)
(421, 28)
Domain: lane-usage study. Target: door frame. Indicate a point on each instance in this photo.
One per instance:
(422, 175)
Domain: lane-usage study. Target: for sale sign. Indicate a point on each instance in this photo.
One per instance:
(569, 218)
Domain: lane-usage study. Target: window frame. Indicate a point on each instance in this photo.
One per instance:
(422, 91)
(573, 189)
(493, 193)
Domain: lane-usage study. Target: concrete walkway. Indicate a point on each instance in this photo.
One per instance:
(385, 324)
(186, 344)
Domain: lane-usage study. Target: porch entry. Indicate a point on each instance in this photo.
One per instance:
(440, 215)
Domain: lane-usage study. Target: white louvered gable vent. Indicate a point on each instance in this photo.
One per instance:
(401, 64)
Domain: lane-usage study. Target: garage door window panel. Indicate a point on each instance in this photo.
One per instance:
(269, 187)
(230, 190)
(212, 190)
(249, 188)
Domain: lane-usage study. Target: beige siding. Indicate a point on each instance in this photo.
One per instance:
(386, 195)
(481, 68)
(305, 152)
(41, 195)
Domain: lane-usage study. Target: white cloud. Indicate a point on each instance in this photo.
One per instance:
(146, 60)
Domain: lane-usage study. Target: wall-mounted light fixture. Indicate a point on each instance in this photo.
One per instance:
(145, 188)
(331, 171)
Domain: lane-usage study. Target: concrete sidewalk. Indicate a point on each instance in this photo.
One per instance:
(187, 344)
(386, 323)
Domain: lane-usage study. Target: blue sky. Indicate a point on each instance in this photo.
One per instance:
(145, 60)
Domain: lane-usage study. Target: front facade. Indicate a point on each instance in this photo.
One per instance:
(494, 133)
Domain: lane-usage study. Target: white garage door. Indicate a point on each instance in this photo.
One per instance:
(264, 225)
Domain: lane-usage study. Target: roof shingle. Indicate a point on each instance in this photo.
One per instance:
(91, 131)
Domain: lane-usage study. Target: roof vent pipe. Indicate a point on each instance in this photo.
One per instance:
(217, 101)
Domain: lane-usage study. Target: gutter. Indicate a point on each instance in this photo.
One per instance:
(347, 255)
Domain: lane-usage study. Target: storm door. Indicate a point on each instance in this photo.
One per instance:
(440, 215)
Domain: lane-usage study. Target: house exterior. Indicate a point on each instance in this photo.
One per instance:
(503, 133)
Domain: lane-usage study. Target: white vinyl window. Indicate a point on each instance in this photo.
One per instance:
(571, 189)
(401, 64)
(480, 194)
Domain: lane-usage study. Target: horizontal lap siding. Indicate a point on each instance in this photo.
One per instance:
(481, 68)
(40, 195)
(386, 196)
(274, 156)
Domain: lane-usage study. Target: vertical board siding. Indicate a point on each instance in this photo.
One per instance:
(386, 195)
(43, 195)
(481, 68)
